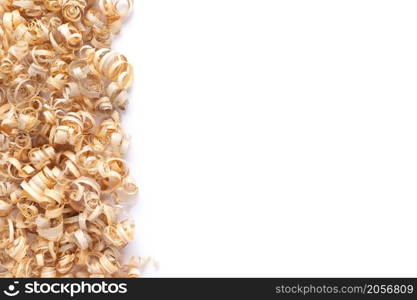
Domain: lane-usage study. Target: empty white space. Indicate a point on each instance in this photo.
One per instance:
(274, 138)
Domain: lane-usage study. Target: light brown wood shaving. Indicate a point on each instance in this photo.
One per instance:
(62, 173)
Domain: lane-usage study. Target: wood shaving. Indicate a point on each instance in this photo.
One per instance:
(62, 173)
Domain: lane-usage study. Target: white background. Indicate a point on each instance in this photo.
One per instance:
(274, 138)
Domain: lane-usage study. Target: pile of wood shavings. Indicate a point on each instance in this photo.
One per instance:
(62, 176)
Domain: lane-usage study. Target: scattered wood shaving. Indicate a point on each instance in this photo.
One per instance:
(62, 173)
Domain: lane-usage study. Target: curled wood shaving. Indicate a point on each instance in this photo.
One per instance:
(62, 90)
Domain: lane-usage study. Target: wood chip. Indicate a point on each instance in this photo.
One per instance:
(62, 173)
